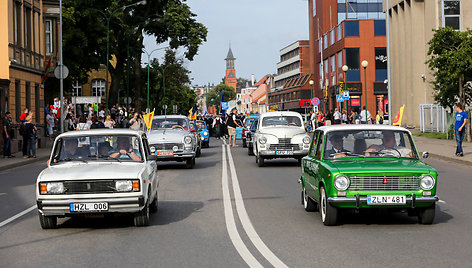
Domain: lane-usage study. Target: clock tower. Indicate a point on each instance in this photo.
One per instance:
(230, 77)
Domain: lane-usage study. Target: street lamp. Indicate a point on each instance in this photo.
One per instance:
(345, 68)
(311, 91)
(108, 18)
(149, 58)
(364, 64)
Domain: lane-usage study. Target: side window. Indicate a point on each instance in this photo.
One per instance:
(314, 143)
(319, 146)
(146, 146)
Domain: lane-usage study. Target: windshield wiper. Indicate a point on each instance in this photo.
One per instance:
(384, 153)
(111, 158)
(353, 154)
(72, 159)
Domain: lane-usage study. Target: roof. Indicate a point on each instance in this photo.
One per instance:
(280, 113)
(299, 81)
(101, 131)
(170, 116)
(360, 127)
(262, 81)
(230, 55)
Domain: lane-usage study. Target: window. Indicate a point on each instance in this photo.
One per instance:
(331, 37)
(325, 41)
(319, 145)
(76, 89)
(18, 99)
(320, 45)
(17, 22)
(48, 36)
(37, 98)
(380, 28)
(28, 94)
(380, 63)
(340, 32)
(353, 62)
(340, 59)
(28, 28)
(333, 63)
(326, 66)
(351, 28)
(452, 14)
(313, 145)
(98, 87)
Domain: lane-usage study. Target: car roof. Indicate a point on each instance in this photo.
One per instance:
(279, 113)
(326, 129)
(170, 116)
(102, 131)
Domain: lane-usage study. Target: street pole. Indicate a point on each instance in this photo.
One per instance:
(149, 59)
(127, 75)
(365, 64)
(389, 68)
(61, 77)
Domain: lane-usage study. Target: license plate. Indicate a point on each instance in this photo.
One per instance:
(386, 200)
(283, 152)
(165, 153)
(89, 207)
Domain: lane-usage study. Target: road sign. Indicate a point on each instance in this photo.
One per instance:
(128, 100)
(315, 101)
(164, 106)
(346, 95)
(339, 98)
(65, 72)
(174, 109)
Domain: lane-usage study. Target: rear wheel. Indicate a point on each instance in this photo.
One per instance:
(250, 151)
(308, 203)
(329, 214)
(198, 152)
(190, 163)
(142, 218)
(426, 215)
(48, 222)
(153, 208)
(244, 143)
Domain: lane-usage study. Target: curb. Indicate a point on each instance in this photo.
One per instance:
(24, 162)
(450, 159)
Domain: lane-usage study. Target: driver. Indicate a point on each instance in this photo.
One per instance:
(70, 149)
(388, 146)
(125, 150)
(337, 150)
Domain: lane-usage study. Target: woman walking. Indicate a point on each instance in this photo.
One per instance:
(31, 134)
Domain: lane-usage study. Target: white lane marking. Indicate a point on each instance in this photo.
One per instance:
(230, 222)
(442, 201)
(7, 221)
(246, 222)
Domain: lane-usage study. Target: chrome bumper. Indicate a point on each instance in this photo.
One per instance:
(412, 200)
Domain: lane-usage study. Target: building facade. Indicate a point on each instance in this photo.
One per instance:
(337, 41)
(230, 74)
(411, 23)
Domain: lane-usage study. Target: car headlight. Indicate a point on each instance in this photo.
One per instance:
(188, 140)
(175, 148)
(427, 182)
(306, 140)
(152, 149)
(262, 140)
(52, 188)
(205, 133)
(341, 183)
(124, 186)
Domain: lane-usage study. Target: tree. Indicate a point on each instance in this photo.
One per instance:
(242, 82)
(451, 62)
(213, 97)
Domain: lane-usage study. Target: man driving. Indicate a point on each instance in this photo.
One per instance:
(70, 149)
(388, 146)
(125, 150)
(337, 150)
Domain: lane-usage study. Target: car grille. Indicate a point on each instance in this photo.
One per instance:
(89, 187)
(392, 183)
(167, 146)
(284, 144)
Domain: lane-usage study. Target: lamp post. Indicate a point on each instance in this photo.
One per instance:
(364, 64)
(345, 68)
(108, 18)
(311, 92)
(149, 58)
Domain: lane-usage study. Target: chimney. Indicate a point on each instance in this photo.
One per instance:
(253, 79)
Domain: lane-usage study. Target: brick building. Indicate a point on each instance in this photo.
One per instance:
(230, 74)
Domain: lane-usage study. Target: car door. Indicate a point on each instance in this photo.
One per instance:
(151, 167)
(311, 165)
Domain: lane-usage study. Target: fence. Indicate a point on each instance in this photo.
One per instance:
(433, 118)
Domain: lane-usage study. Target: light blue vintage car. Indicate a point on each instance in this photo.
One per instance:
(204, 133)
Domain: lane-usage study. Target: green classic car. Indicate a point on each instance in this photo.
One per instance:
(366, 166)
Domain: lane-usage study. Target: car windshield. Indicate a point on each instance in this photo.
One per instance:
(200, 125)
(369, 143)
(254, 125)
(98, 148)
(169, 123)
(282, 120)
(249, 122)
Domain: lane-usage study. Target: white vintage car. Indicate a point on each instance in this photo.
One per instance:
(104, 171)
(280, 135)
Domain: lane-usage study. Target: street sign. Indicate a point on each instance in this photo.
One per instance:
(164, 107)
(346, 95)
(128, 100)
(65, 72)
(174, 108)
(339, 98)
(315, 101)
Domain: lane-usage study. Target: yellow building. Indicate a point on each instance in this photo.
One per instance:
(95, 85)
(411, 24)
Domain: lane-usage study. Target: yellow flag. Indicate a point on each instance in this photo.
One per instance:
(148, 119)
(399, 117)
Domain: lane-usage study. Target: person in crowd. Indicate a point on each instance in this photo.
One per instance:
(82, 125)
(135, 122)
(6, 133)
(125, 150)
(109, 122)
(320, 119)
(345, 117)
(459, 128)
(352, 117)
(337, 117)
(379, 118)
(232, 122)
(366, 117)
(50, 125)
(31, 137)
(313, 119)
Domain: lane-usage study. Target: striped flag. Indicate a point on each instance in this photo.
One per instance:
(399, 117)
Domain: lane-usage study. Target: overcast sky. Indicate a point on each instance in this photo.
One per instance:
(257, 30)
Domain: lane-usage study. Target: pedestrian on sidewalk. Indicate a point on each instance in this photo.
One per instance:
(50, 120)
(31, 133)
(366, 117)
(23, 130)
(6, 133)
(459, 128)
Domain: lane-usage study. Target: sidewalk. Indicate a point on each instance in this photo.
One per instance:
(42, 154)
(444, 149)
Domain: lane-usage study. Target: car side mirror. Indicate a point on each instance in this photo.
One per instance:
(425, 155)
(152, 157)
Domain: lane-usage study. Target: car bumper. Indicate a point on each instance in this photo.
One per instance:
(283, 154)
(361, 201)
(176, 156)
(61, 207)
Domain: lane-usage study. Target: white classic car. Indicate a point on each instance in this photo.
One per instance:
(170, 139)
(98, 172)
(280, 135)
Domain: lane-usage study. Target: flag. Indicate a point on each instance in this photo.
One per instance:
(46, 71)
(192, 113)
(221, 101)
(148, 119)
(399, 117)
(205, 110)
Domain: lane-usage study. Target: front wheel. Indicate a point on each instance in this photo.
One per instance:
(329, 214)
(190, 163)
(260, 161)
(142, 218)
(308, 203)
(244, 143)
(48, 222)
(154, 205)
(250, 151)
(426, 215)
(198, 152)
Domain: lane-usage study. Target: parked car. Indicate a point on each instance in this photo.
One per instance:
(170, 139)
(198, 139)
(246, 125)
(98, 172)
(249, 137)
(204, 133)
(280, 135)
(366, 167)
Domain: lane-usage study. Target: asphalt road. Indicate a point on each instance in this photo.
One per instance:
(234, 214)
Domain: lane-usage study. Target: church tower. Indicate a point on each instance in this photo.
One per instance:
(230, 77)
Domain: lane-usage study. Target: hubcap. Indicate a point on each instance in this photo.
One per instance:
(305, 201)
(323, 205)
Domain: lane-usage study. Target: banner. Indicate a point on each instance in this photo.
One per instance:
(193, 113)
(148, 120)
(399, 117)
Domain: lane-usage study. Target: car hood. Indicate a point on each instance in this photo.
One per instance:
(377, 166)
(92, 171)
(283, 132)
(167, 136)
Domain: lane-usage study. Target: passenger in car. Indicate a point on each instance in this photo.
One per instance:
(360, 146)
(125, 150)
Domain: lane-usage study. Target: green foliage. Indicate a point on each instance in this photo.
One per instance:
(451, 62)
(214, 96)
(242, 82)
